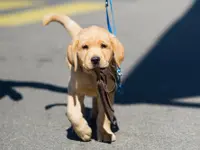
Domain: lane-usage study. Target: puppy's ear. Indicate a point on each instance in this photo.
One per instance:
(118, 50)
(71, 57)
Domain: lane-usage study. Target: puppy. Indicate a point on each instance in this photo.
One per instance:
(90, 48)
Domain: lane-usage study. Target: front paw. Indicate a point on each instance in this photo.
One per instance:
(84, 132)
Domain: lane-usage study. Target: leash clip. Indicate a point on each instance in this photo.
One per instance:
(106, 3)
(119, 75)
(119, 72)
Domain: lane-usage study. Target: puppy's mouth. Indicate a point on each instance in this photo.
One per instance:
(97, 67)
(93, 67)
(100, 66)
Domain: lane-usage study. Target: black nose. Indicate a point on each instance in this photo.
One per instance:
(95, 60)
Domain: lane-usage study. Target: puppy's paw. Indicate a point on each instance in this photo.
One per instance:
(113, 138)
(106, 137)
(84, 132)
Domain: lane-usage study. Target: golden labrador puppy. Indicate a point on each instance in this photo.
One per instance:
(91, 47)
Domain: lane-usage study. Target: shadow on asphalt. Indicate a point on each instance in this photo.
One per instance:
(7, 88)
(171, 69)
(49, 106)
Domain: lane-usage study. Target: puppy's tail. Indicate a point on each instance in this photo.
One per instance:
(72, 27)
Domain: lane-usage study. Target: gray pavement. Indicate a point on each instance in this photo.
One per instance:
(160, 106)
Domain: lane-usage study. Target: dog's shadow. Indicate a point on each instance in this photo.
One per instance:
(70, 134)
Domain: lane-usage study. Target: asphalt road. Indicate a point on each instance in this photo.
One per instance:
(160, 106)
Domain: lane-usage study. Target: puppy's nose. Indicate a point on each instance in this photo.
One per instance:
(95, 60)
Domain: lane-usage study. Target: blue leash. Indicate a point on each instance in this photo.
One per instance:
(108, 20)
(119, 73)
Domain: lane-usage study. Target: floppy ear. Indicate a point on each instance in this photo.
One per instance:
(118, 50)
(71, 57)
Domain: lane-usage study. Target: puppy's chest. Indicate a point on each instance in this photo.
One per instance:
(86, 84)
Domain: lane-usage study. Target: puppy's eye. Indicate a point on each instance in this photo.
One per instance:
(103, 46)
(85, 47)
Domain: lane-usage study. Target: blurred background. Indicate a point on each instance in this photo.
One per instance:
(160, 104)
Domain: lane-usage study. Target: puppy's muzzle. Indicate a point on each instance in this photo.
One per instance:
(95, 60)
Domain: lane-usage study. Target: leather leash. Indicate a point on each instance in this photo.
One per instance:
(102, 77)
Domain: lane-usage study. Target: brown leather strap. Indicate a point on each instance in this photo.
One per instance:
(102, 77)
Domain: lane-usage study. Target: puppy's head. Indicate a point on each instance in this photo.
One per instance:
(94, 47)
(91, 47)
